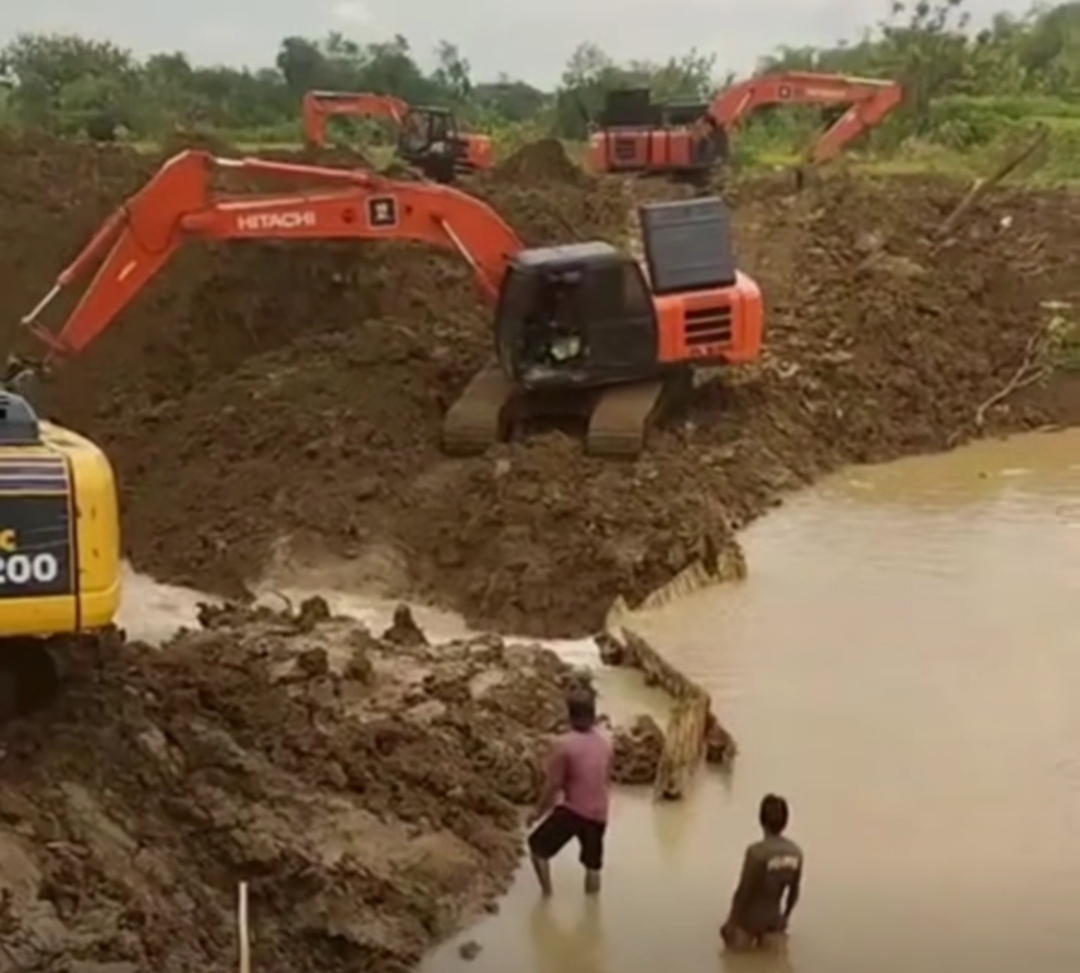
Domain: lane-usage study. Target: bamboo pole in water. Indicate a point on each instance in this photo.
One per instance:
(692, 730)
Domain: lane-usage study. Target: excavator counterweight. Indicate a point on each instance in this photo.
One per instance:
(583, 329)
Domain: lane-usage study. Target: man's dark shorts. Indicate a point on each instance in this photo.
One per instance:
(552, 834)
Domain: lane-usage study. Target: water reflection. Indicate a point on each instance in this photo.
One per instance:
(562, 943)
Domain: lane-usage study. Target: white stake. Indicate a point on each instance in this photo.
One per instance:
(242, 928)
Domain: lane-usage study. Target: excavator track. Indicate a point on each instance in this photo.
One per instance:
(622, 417)
(480, 417)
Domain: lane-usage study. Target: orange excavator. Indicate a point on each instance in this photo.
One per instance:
(635, 136)
(580, 328)
(428, 139)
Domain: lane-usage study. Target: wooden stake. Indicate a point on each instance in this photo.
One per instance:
(982, 186)
(242, 928)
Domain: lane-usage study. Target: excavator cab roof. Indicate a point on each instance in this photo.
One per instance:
(568, 254)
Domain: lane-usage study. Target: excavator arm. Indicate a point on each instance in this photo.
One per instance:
(870, 100)
(179, 205)
(320, 106)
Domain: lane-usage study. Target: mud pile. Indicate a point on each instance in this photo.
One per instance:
(307, 382)
(366, 789)
(884, 338)
(545, 159)
(263, 392)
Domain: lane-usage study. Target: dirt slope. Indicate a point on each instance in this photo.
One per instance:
(262, 391)
(368, 790)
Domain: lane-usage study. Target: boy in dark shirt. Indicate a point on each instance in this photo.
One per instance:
(772, 867)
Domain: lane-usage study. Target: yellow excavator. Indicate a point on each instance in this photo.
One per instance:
(59, 550)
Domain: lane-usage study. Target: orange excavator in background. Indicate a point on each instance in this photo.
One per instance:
(635, 136)
(428, 139)
(581, 328)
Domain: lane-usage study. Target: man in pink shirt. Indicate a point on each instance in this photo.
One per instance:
(579, 770)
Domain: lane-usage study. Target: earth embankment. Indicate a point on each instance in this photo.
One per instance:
(264, 391)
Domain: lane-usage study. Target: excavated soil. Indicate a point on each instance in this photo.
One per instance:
(368, 789)
(545, 159)
(261, 391)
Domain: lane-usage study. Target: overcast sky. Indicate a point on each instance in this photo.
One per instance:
(526, 39)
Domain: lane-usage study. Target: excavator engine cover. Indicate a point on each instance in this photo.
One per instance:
(688, 245)
(578, 315)
(629, 107)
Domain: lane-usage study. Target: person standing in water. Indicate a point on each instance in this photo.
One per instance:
(768, 888)
(579, 771)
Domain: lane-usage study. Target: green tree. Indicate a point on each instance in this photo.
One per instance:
(453, 73)
(59, 78)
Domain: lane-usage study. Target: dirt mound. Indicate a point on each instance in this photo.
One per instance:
(545, 159)
(308, 389)
(883, 338)
(269, 391)
(367, 790)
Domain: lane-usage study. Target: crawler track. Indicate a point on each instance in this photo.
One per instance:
(480, 417)
(621, 419)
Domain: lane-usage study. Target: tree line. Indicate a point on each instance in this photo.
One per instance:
(71, 85)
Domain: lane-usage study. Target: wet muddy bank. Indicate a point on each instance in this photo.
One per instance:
(369, 789)
(307, 384)
(893, 617)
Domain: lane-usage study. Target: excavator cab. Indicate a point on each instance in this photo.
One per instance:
(587, 315)
(577, 315)
(585, 332)
(431, 141)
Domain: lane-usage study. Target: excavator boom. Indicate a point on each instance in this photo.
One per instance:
(179, 205)
(870, 100)
(320, 106)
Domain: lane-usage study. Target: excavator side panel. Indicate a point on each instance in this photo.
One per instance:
(708, 311)
(683, 154)
(59, 537)
(720, 326)
(627, 150)
(480, 152)
(596, 153)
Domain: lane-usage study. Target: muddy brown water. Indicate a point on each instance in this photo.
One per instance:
(904, 665)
